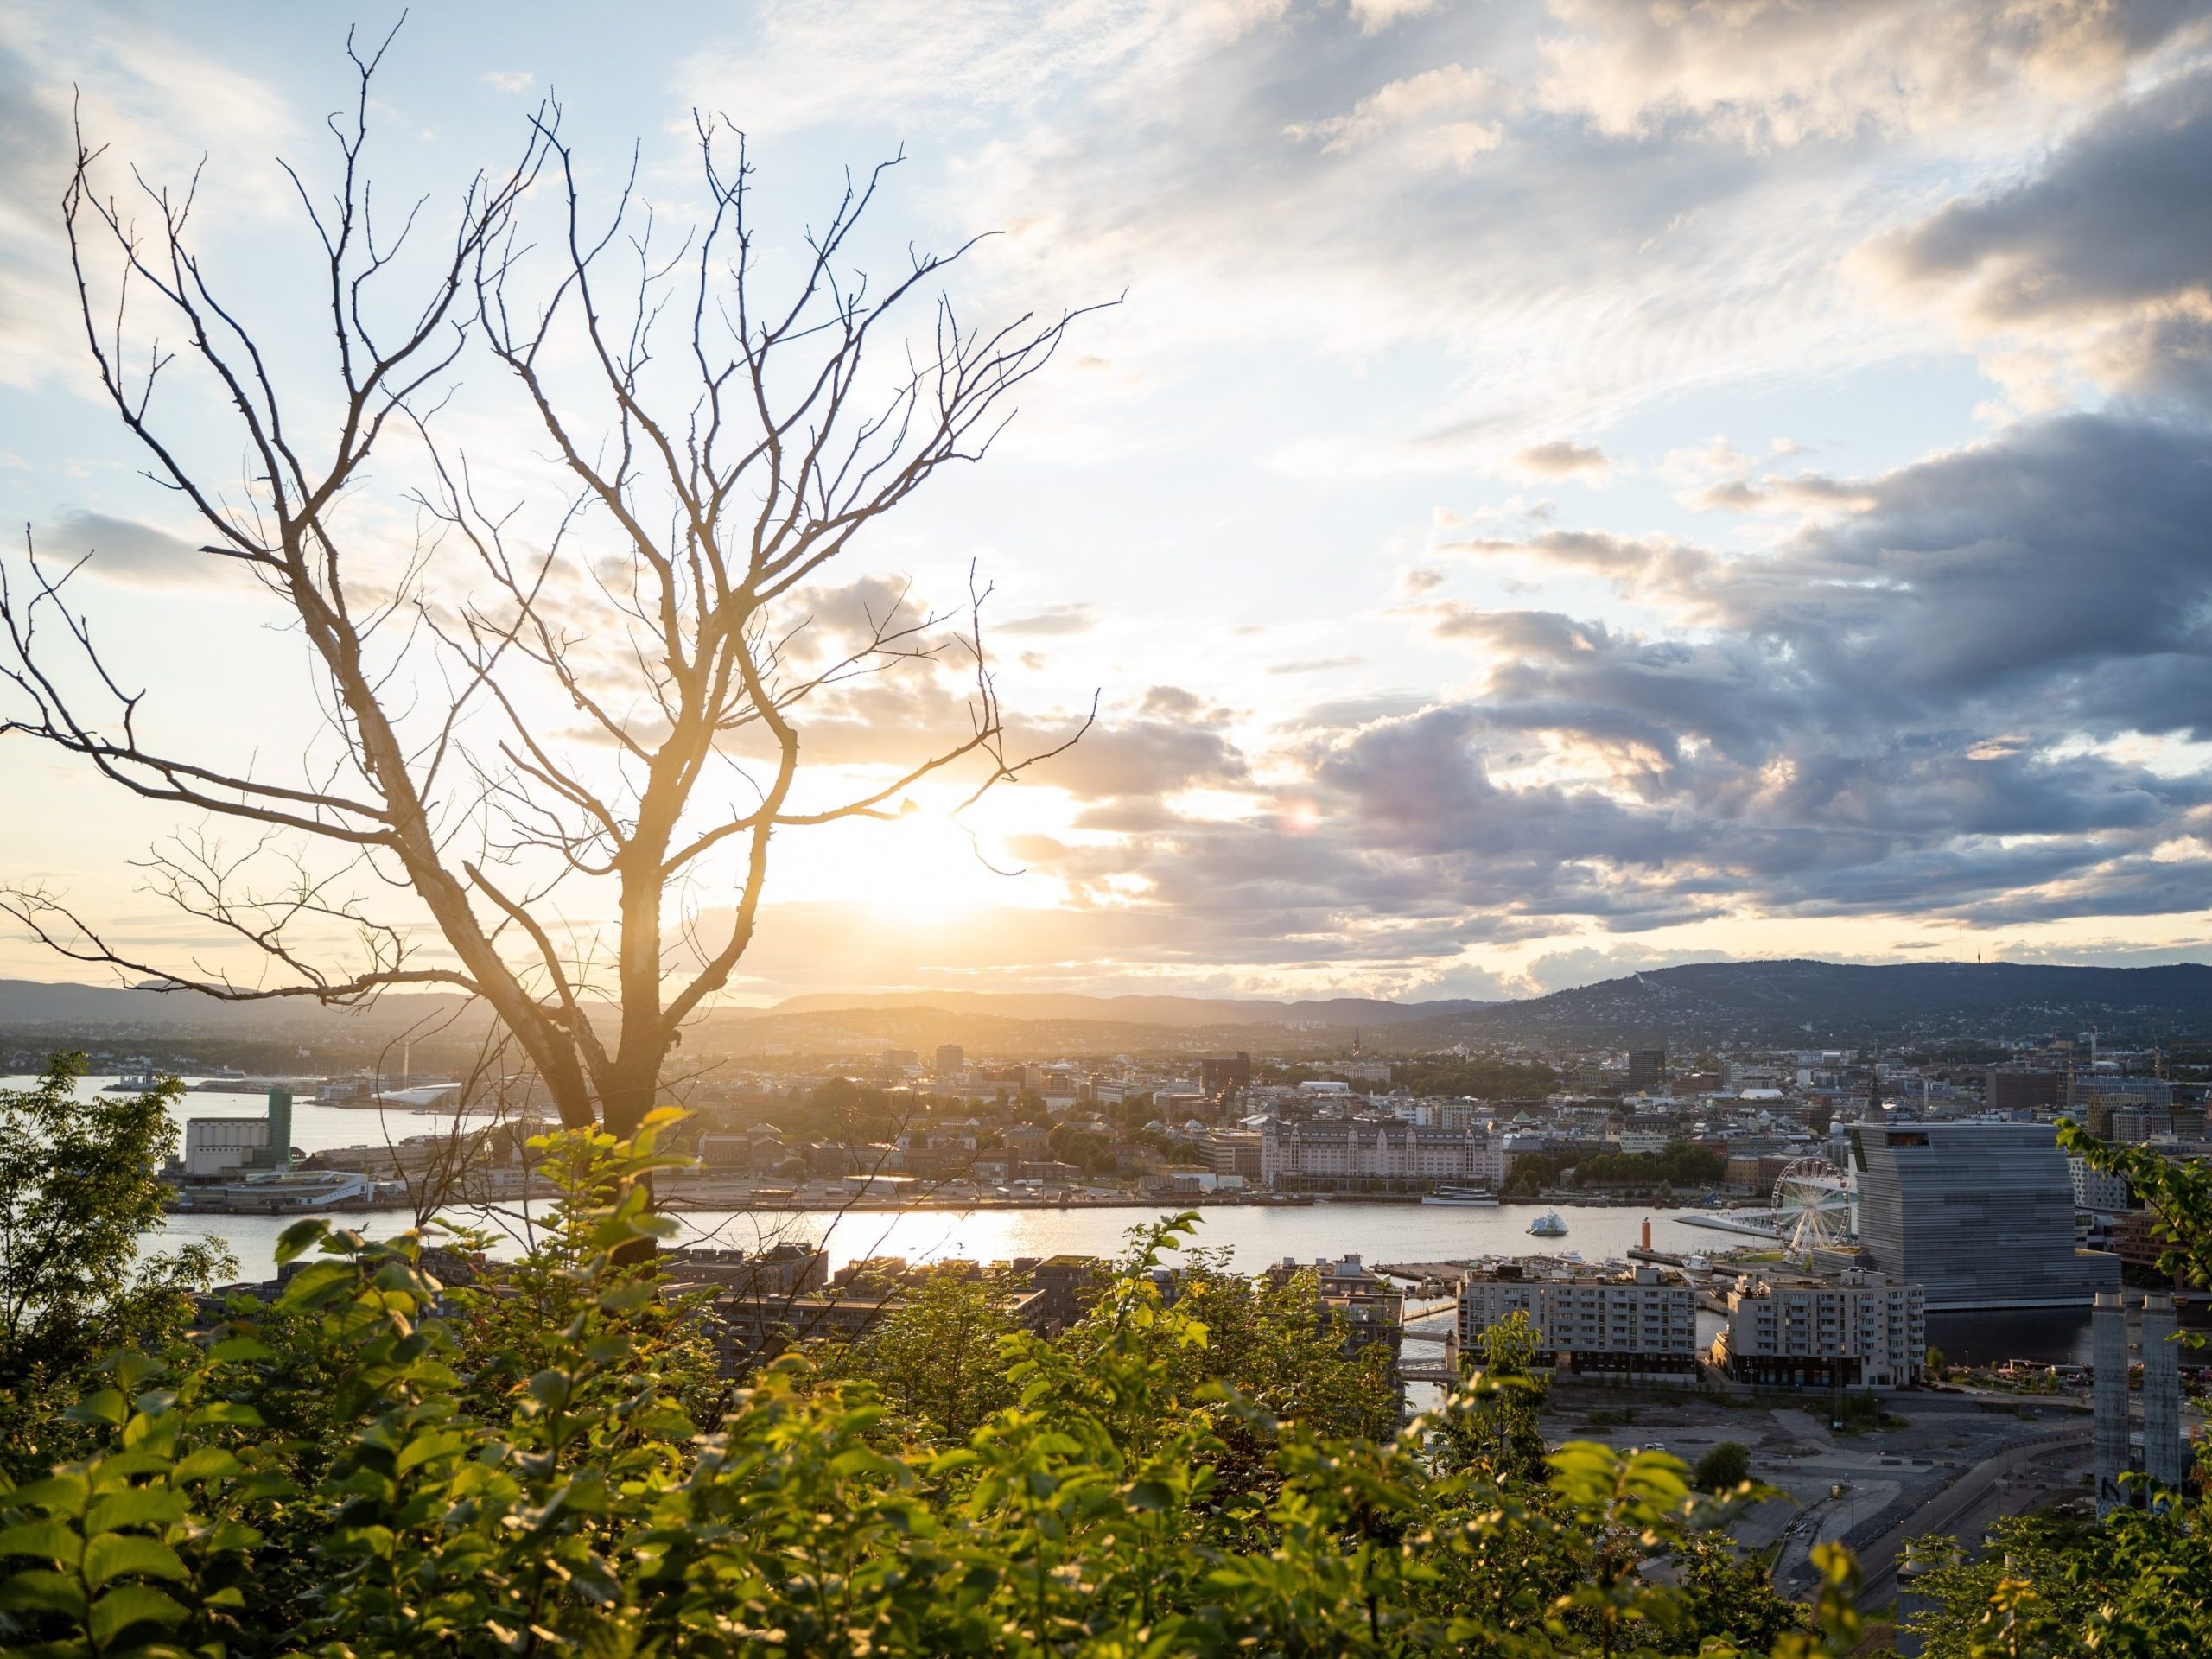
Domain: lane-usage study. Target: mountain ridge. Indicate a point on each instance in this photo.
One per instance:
(1796, 1002)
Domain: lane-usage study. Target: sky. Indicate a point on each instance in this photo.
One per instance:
(1560, 488)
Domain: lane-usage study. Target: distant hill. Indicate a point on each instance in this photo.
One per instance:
(1765, 1004)
(1195, 1011)
(1811, 1004)
(28, 1005)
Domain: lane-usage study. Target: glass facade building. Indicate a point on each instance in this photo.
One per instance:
(1980, 1215)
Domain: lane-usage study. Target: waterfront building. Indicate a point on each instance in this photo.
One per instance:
(2133, 1125)
(784, 1269)
(280, 1192)
(1370, 1307)
(1980, 1215)
(1590, 1320)
(1859, 1330)
(1234, 1152)
(1351, 1154)
(216, 1147)
(2093, 1099)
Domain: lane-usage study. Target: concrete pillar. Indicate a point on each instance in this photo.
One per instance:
(2108, 1351)
(2161, 1447)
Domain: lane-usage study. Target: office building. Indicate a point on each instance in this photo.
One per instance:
(2006, 1090)
(1860, 1330)
(2092, 1098)
(1980, 1215)
(1646, 1068)
(1217, 1073)
(951, 1059)
(2133, 1125)
(1589, 1320)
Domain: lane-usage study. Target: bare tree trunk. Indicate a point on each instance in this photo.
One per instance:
(701, 492)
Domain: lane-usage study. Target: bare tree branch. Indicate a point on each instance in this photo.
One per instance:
(737, 422)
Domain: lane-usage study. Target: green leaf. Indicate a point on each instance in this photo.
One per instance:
(57, 1493)
(136, 1506)
(43, 1591)
(426, 1445)
(295, 1240)
(107, 1406)
(113, 1554)
(52, 1541)
(209, 1463)
(132, 1604)
(226, 1411)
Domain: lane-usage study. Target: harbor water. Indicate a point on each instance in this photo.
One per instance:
(1252, 1235)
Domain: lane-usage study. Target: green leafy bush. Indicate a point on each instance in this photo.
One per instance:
(548, 1463)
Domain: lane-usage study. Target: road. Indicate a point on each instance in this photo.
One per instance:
(1942, 1514)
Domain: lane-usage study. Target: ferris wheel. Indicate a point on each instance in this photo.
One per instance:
(1812, 1204)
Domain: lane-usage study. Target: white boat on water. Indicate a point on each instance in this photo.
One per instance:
(1470, 1197)
(1550, 1224)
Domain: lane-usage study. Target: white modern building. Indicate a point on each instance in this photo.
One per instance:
(2097, 1189)
(1860, 1330)
(1641, 1323)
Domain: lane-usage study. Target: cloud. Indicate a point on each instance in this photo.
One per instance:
(1053, 621)
(1144, 758)
(124, 550)
(1562, 458)
(1316, 664)
(1927, 703)
(1375, 16)
(149, 96)
(1769, 73)
(1795, 493)
(509, 80)
(1425, 114)
(2103, 256)
(1885, 711)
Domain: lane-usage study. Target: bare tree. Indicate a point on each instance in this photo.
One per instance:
(716, 426)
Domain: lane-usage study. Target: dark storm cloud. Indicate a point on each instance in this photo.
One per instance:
(2105, 254)
(2122, 214)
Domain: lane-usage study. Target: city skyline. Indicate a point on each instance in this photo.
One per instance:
(1563, 489)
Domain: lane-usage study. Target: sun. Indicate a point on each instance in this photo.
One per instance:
(922, 867)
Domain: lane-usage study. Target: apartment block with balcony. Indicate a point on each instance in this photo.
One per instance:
(1860, 1330)
(1590, 1321)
